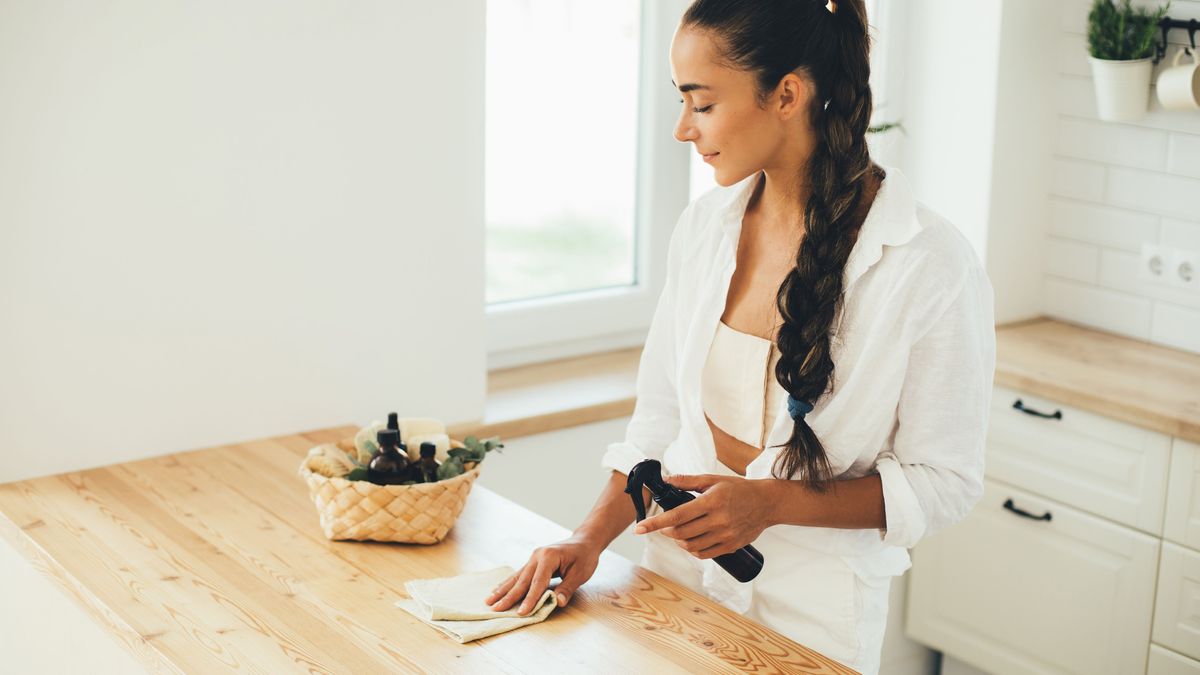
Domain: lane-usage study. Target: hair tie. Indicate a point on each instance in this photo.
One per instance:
(798, 409)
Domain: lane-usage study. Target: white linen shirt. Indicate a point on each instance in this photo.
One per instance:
(913, 347)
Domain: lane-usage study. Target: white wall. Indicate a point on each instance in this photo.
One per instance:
(1117, 185)
(222, 221)
(973, 88)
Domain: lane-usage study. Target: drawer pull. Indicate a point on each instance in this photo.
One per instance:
(1008, 504)
(1057, 415)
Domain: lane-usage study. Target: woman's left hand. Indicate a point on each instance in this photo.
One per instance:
(730, 512)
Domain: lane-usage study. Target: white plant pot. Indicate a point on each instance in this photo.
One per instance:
(1122, 88)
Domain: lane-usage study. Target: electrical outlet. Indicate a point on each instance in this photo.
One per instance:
(1183, 269)
(1153, 266)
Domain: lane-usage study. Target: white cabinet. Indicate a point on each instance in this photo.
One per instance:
(1166, 662)
(1022, 594)
(1183, 503)
(1102, 466)
(1176, 621)
(1057, 570)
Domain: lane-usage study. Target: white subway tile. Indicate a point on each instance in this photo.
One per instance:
(1076, 96)
(1184, 157)
(1100, 308)
(1181, 234)
(1153, 192)
(1176, 326)
(1112, 143)
(1073, 55)
(1102, 225)
(1080, 180)
(1119, 272)
(1071, 260)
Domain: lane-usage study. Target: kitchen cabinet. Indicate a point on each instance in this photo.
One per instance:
(1083, 555)
(1029, 584)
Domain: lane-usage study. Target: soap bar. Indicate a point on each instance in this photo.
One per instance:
(442, 441)
(419, 426)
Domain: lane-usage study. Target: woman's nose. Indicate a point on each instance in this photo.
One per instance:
(684, 131)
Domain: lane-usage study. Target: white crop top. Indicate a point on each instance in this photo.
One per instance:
(735, 382)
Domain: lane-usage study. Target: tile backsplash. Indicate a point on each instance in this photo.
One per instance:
(1117, 186)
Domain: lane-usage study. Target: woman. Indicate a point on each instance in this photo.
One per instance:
(806, 257)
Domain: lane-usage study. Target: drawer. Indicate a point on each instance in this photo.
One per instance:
(1017, 594)
(1176, 621)
(1109, 468)
(1167, 662)
(1182, 524)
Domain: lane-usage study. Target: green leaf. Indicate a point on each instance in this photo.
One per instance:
(358, 473)
(1120, 32)
(450, 468)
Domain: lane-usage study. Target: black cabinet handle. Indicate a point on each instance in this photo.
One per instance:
(1008, 504)
(1057, 415)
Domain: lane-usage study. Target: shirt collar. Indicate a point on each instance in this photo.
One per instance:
(891, 220)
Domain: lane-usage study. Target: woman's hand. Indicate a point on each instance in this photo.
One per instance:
(730, 513)
(573, 559)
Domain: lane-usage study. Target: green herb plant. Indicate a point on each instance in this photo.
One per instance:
(1120, 32)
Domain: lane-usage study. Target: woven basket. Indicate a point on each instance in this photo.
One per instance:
(360, 510)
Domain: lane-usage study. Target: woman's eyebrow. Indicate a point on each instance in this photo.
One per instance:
(690, 86)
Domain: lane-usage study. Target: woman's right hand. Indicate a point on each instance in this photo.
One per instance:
(573, 559)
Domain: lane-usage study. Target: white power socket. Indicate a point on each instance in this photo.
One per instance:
(1183, 269)
(1153, 267)
(1173, 267)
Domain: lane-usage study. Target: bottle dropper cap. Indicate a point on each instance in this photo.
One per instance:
(428, 449)
(387, 438)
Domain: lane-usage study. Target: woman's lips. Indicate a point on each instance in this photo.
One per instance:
(709, 158)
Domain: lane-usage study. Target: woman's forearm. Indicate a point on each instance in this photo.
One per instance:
(855, 504)
(612, 513)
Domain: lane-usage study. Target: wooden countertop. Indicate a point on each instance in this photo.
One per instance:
(1147, 385)
(214, 560)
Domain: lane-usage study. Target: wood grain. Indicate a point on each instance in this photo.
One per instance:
(1151, 386)
(213, 560)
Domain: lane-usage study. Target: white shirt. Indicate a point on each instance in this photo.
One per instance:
(913, 347)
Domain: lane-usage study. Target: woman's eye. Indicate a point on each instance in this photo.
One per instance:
(699, 110)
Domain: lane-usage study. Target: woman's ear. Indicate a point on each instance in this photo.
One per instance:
(794, 93)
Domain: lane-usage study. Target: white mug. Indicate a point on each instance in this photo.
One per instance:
(1179, 86)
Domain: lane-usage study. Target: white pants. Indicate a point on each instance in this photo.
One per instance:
(813, 598)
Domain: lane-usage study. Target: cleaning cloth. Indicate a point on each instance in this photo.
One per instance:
(455, 605)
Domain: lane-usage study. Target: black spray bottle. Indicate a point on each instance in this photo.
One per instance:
(744, 564)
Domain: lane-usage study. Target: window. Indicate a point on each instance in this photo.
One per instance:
(583, 179)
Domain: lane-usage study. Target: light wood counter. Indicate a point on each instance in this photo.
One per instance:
(1147, 385)
(213, 561)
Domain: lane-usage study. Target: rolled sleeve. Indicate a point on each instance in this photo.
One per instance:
(655, 420)
(933, 476)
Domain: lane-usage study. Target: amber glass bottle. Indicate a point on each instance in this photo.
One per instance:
(389, 466)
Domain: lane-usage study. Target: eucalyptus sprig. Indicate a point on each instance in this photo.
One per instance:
(1120, 32)
(463, 459)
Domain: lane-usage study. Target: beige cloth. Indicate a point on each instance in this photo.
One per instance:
(455, 605)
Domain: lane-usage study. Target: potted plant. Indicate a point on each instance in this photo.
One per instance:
(1121, 49)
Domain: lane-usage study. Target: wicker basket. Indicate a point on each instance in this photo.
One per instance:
(360, 510)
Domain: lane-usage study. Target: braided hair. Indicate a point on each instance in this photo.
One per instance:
(771, 38)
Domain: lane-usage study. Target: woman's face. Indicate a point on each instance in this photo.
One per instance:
(721, 118)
